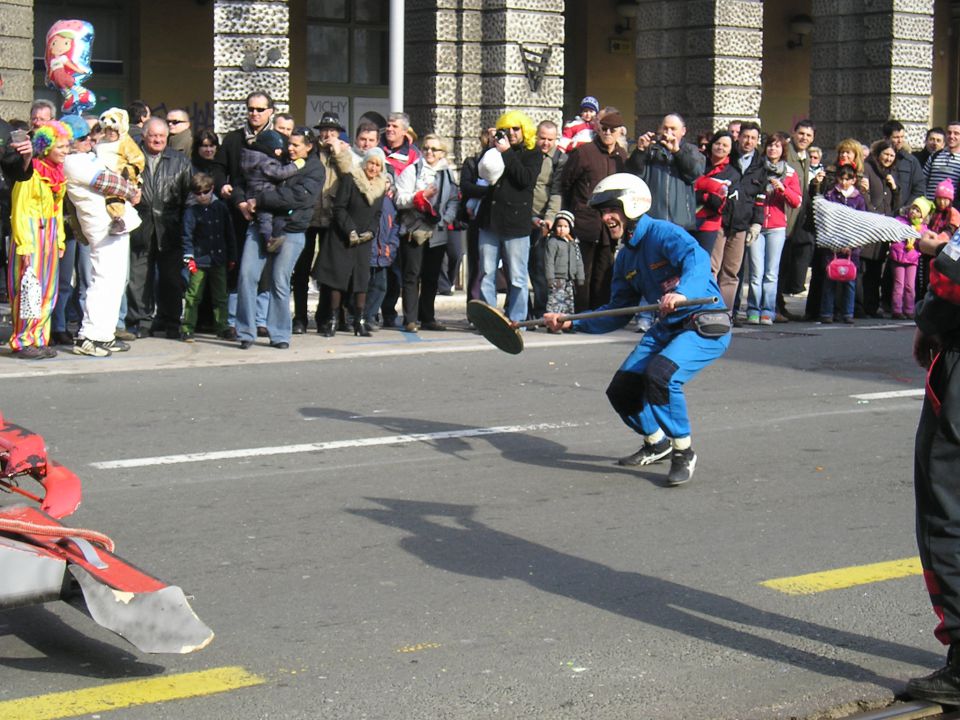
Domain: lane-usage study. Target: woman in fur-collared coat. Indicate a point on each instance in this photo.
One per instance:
(344, 261)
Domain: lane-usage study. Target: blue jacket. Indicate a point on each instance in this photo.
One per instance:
(208, 234)
(659, 258)
(383, 249)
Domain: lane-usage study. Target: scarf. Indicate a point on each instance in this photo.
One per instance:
(372, 190)
(774, 170)
(53, 176)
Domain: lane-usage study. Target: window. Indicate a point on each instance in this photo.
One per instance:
(355, 32)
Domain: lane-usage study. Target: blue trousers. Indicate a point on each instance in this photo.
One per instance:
(647, 390)
(253, 259)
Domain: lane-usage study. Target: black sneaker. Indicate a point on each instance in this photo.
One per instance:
(115, 345)
(682, 465)
(90, 347)
(942, 686)
(647, 454)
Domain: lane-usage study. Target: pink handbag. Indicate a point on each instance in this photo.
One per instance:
(841, 269)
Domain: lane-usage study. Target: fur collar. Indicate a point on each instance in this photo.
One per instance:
(372, 190)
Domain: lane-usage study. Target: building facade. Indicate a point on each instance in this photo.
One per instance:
(847, 64)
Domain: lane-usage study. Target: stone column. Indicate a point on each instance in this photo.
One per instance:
(701, 58)
(872, 61)
(16, 58)
(251, 50)
(467, 62)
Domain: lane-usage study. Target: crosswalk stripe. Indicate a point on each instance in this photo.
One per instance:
(128, 694)
(845, 577)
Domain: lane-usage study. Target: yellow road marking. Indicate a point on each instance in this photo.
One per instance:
(845, 577)
(128, 694)
(418, 647)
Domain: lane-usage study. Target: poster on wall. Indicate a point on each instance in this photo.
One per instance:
(317, 105)
(361, 105)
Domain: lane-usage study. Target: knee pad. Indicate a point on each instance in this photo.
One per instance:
(626, 393)
(657, 378)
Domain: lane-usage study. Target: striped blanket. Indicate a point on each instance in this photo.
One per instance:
(840, 227)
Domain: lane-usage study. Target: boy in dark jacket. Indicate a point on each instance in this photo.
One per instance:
(209, 250)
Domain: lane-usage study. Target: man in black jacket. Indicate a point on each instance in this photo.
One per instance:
(156, 246)
(744, 217)
(506, 211)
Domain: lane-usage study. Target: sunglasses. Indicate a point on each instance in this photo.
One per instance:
(257, 110)
(176, 122)
(433, 149)
(199, 193)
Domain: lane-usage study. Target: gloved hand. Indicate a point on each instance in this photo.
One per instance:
(190, 264)
(752, 234)
(558, 284)
(365, 236)
(354, 239)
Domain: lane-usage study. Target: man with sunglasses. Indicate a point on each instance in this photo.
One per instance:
(259, 109)
(181, 137)
(586, 166)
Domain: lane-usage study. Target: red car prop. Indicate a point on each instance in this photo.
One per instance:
(43, 560)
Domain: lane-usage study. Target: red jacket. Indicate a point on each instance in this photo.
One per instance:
(773, 207)
(711, 191)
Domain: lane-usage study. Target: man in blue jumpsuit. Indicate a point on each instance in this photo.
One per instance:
(662, 263)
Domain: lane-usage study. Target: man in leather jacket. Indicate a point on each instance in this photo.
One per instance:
(155, 247)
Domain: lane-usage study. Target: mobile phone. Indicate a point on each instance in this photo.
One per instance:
(19, 136)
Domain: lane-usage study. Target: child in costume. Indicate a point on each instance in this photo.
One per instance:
(563, 264)
(121, 154)
(904, 258)
(265, 164)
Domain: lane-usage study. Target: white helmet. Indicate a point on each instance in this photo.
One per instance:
(625, 189)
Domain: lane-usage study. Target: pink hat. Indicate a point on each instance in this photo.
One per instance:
(945, 190)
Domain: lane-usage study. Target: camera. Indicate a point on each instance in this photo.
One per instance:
(499, 135)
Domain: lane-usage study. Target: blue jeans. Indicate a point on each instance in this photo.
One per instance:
(58, 318)
(765, 254)
(279, 321)
(847, 292)
(516, 253)
(263, 302)
(376, 291)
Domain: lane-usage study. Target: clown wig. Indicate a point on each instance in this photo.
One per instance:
(46, 136)
(515, 118)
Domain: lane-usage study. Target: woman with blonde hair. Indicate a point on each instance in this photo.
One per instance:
(427, 201)
(37, 242)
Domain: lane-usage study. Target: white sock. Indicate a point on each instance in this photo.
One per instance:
(681, 443)
(655, 438)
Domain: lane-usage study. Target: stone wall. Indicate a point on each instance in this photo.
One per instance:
(465, 64)
(16, 58)
(872, 61)
(701, 58)
(251, 49)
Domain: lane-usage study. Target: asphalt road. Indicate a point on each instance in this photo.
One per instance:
(474, 573)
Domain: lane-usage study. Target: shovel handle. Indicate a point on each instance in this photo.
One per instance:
(612, 312)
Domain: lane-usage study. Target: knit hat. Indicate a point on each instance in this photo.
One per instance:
(590, 103)
(923, 205)
(945, 190)
(269, 141)
(565, 215)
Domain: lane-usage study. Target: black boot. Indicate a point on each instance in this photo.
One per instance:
(943, 686)
(329, 328)
(360, 327)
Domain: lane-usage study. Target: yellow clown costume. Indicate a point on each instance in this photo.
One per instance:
(37, 241)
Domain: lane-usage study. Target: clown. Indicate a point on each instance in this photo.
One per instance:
(67, 57)
(37, 240)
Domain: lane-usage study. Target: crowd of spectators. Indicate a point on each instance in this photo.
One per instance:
(125, 224)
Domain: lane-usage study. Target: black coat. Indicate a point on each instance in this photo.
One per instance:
(164, 195)
(507, 209)
(295, 196)
(743, 210)
(339, 263)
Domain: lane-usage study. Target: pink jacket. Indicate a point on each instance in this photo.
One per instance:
(899, 252)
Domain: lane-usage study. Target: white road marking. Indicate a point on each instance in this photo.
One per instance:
(332, 445)
(915, 392)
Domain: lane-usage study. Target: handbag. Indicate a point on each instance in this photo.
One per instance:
(841, 269)
(30, 295)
